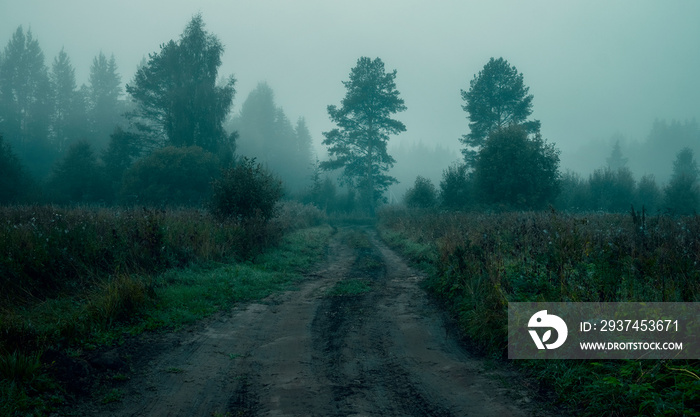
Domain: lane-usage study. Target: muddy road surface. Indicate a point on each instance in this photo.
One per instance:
(358, 337)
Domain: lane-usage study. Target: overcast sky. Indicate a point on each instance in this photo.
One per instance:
(594, 67)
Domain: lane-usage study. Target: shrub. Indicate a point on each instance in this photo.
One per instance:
(292, 215)
(422, 195)
(171, 176)
(517, 171)
(456, 187)
(245, 191)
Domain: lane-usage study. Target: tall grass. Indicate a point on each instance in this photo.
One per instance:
(480, 262)
(47, 249)
(79, 277)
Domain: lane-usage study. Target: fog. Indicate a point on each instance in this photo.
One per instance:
(598, 70)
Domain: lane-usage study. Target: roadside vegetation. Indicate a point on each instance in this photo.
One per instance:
(77, 279)
(479, 262)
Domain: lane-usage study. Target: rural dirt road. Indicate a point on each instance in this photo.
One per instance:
(384, 352)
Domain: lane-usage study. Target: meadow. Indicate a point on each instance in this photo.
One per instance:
(479, 262)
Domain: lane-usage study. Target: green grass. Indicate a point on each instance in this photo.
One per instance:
(349, 287)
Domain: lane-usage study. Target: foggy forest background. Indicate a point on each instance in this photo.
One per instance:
(71, 143)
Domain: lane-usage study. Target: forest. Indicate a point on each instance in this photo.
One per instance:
(108, 184)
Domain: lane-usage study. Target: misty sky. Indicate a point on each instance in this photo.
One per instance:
(595, 68)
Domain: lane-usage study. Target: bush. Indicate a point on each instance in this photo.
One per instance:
(456, 187)
(171, 176)
(422, 195)
(517, 171)
(292, 215)
(245, 191)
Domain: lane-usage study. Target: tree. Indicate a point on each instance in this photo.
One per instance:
(612, 190)
(648, 193)
(255, 124)
(682, 194)
(178, 100)
(574, 193)
(322, 192)
(516, 171)
(120, 154)
(497, 98)
(68, 118)
(422, 195)
(267, 135)
(104, 91)
(303, 162)
(685, 165)
(26, 102)
(456, 187)
(14, 182)
(358, 144)
(616, 161)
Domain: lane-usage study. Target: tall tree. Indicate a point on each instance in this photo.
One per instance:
(255, 123)
(178, 100)
(26, 100)
(302, 151)
(682, 194)
(267, 134)
(364, 120)
(497, 97)
(616, 161)
(68, 117)
(104, 91)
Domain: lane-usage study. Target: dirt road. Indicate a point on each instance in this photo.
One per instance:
(384, 351)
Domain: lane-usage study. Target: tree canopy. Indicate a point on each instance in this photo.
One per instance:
(178, 100)
(364, 120)
(497, 98)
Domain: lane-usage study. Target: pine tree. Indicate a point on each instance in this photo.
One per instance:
(68, 118)
(616, 161)
(26, 101)
(359, 144)
(497, 98)
(104, 92)
(682, 194)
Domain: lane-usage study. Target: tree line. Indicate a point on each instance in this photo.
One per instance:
(166, 143)
(175, 137)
